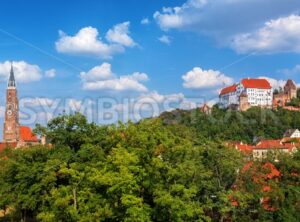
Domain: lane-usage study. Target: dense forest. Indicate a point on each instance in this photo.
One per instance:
(175, 167)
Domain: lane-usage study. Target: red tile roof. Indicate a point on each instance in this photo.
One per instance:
(274, 144)
(5, 145)
(269, 144)
(228, 89)
(245, 148)
(256, 83)
(27, 135)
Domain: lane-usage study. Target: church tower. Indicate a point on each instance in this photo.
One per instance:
(290, 89)
(11, 128)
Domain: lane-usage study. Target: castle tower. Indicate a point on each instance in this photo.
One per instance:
(11, 128)
(290, 90)
(243, 103)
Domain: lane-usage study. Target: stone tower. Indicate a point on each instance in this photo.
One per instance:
(290, 90)
(11, 128)
(243, 103)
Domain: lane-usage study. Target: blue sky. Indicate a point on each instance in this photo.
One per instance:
(182, 49)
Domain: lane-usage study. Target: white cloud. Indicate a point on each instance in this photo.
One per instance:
(102, 78)
(169, 18)
(280, 35)
(291, 72)
(37, 102)
(87, 42)
(158, 98)
(176, 17)
(84, 106)
(2, 111)
(138, 76)
(118, 84)
(154, 103)
(51, 73)
(120, 34)
(145, 21)
(101, 72)
(276, 84)
(24, 72)
(223, 19)
(165, 39)
(198, 78)
(44, 117)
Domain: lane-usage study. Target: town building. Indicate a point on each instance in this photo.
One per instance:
(247, 93)
(206, 109)
(292, 133)
(265, 147)
(15, 135)
(284, 96)
(290, 143)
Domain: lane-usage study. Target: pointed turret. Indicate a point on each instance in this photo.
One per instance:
(11, 80)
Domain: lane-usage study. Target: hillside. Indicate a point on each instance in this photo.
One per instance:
(171, 168)
(233, 125)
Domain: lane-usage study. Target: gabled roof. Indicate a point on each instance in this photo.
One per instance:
(245, 148)
(269, 144)
(289, 132)
(290, 84)
(27, 135)
(256, 83)
(228, 89)
(274, 144)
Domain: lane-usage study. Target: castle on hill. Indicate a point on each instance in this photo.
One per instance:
(15, 135)
(256, 93)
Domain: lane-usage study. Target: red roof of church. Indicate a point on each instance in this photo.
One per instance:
(27, 135)
(5, 145)
(228, 89)
(256, 83)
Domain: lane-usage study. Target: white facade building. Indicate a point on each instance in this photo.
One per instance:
(259, 92)
(292, 133)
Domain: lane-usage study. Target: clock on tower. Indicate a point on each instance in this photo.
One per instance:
(11, 132)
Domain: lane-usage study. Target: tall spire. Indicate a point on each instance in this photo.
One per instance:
(11, 80)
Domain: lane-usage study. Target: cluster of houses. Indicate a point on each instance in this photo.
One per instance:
(288, 144)
(270, 174)
(256, 92)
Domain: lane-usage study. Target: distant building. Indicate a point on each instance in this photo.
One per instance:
(289, 92)
(205, 109)
(15, 135)
(265, 147)
(292, 133)
(246, 94)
